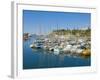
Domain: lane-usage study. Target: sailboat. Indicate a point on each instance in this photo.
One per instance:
(38, 43)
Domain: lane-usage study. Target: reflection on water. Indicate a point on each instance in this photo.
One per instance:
(38, 58)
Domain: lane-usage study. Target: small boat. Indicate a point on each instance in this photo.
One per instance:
(31, 46)
(73, 50)
(67, 48)
(37, 44)
(51, 49)
(56, 50)
(79, 51)
(86, 52)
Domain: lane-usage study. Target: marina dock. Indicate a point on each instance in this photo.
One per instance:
(64, 41)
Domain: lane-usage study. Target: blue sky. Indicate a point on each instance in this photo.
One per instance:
(45, 21)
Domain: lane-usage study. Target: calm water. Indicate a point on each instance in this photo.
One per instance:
(33, 58)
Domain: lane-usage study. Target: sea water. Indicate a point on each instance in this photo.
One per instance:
(39, 58)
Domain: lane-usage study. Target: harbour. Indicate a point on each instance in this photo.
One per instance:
(56, 39)
(46, 52)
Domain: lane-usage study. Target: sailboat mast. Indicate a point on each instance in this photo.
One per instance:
(40, 30)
